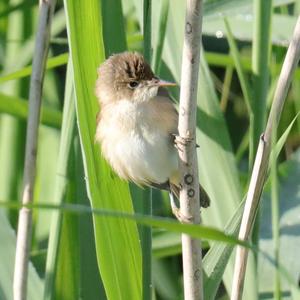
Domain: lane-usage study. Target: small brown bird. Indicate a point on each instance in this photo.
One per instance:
(137, 124)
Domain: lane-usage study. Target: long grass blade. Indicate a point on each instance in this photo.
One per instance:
(244, 81)
(260, 69)
(194, 230)
(248, 96)
(162, 26)
(113, 27)
(61, 188)
(91, 285)
(117, 243)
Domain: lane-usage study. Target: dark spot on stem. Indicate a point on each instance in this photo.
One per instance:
(188, 28)
(33, 152)
(191, 192)
(188, 179)
(197, 274)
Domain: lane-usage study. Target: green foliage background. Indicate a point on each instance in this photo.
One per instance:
(80, 255)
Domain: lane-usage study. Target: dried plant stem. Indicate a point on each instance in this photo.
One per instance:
(189, 193)
(262, 160)
(35, 93)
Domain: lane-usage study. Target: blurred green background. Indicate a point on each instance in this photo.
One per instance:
(238, 74)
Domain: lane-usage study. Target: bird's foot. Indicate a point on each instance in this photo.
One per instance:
(177, 213)
(180, 141)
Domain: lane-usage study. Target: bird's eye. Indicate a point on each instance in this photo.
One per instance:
(133, 84)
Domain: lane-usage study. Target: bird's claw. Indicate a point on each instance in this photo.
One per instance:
(180, 217)
(177, 213)
(180, 141)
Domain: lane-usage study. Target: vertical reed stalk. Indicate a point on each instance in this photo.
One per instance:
(146, 232)
(261, 74)
(35, 95)
(189, 193)
(261, 163)
(260, 69)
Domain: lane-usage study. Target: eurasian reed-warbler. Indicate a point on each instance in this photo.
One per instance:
(137, 124)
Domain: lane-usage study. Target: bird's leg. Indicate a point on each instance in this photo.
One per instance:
(180, 141)
(176, 211)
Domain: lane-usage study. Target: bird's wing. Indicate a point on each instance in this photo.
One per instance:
(164, 96)
(163, 92)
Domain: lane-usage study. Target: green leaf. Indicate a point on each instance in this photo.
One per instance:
(91, 286)
(194, 230)
(117, 243)
(68, 265)
(238, 65)
(18, 107)
(58, 235)
(225, 60)
(52, 62)
(248, 96)
(242, 25)
(280, 143)
(162, 26)
(113, 26)
(212, 8)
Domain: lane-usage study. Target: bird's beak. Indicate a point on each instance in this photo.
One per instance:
(166, 83)
(160, 82)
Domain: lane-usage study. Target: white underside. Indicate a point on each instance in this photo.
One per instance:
(142, 152)
(146, 159)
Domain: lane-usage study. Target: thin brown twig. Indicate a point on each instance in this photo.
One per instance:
(35, 94)
(261, 163)
(189, 194)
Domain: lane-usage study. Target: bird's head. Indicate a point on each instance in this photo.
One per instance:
(127, 76)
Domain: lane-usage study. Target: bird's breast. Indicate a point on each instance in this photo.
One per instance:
(134, 142)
